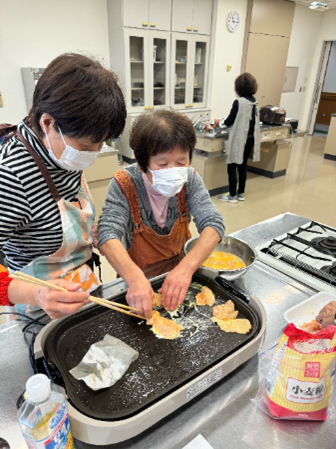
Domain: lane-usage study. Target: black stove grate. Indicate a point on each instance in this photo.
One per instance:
(326, 273)
(302, 266)
(310, 244)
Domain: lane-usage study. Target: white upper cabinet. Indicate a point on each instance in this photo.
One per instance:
(182, 15)
(147, 14)
(136, 13)
(202, 16)
(159, 14)
(192, 16)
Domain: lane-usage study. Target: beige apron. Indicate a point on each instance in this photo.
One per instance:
(77, 222)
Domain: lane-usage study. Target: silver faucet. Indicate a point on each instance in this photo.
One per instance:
(202, 116)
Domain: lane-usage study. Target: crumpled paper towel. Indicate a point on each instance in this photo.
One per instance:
(105, 363)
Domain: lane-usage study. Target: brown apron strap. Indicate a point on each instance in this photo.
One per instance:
(6, 128)
(182, 204)
(127, 187)
(41, 165)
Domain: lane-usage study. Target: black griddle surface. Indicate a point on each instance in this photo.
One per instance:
(163, 365)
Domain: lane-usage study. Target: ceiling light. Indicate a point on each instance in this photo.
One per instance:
(319, 6)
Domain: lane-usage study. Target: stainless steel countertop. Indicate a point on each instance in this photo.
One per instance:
(223, 414)
(224, 133)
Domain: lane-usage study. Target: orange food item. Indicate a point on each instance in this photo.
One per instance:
(313, 326)
(150, 321)
(220, 260)
(164, 327)
(239, 326)
(3, 269)
(206, 297)
(157, 300)
(225, 311)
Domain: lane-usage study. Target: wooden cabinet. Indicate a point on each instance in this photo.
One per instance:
(147, 14)
(266, 60)
(192, 16)
(326, 108)
(189, 74)
(147, 69)
(273, 17)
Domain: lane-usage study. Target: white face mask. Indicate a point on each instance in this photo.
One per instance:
(72, 159)
(169, 181)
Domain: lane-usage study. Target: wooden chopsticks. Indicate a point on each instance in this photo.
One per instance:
(102, 302)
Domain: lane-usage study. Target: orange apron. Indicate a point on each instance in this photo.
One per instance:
(153, 253)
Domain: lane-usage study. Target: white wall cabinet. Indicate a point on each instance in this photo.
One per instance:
(147, 69)
(192, 16)
(157, 67)
(147, 14)
(190, 61)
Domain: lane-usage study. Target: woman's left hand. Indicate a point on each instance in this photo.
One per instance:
(175, 287)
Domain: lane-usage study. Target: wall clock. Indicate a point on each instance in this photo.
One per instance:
(233, 21)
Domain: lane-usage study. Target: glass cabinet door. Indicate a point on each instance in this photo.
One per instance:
(200, 72)
(136, 52)
(159, 54)
(137, 71)
(180, 73)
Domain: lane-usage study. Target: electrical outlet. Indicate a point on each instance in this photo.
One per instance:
(1, 102)
(304, 89)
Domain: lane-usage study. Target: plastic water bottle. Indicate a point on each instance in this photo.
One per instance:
(43, 417)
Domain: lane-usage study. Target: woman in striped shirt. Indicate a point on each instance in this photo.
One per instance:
(47, 213)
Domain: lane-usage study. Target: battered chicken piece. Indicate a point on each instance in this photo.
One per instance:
(225, 311)
(166, 328)
(311, 327)
(238, 326)
(150, 321)
(163, 327)
(157, 300)
(206, 297)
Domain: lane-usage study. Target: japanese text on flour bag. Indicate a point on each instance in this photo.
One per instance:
(296, 375)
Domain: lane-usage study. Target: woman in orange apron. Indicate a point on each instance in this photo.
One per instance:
(46, 229)
(145, 221)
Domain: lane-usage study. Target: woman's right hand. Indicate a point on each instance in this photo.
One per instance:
(141, 296)
(57, 303)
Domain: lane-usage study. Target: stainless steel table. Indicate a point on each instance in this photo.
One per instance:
(223, 414)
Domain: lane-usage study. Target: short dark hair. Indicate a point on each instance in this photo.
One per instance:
(246, 84)
(83, 98)
(160, 132)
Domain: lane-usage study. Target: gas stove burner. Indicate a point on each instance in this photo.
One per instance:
(330, 269)
(328, 243)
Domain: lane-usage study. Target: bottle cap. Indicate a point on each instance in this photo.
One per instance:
(38, 388)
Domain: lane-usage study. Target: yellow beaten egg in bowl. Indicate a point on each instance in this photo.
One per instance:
(237, 255)
(222, 261)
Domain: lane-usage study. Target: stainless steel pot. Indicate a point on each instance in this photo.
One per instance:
(228, 245)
